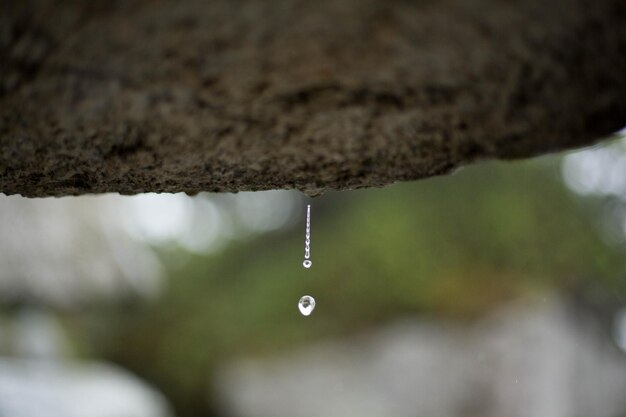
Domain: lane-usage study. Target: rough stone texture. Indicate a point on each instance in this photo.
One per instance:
(223, 95)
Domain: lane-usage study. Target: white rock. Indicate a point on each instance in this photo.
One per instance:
(50, 389)
(527, 361)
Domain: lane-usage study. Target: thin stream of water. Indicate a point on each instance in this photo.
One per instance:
(306, 304)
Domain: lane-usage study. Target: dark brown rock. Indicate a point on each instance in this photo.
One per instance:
(225, 95)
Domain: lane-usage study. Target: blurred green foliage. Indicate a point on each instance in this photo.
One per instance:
(453, 246)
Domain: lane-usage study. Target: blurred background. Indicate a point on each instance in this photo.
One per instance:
(497, 291)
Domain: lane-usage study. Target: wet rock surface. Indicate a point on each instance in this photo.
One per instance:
(335, 94)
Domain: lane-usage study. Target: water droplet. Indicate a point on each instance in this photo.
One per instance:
(306, 305)
(307, 263)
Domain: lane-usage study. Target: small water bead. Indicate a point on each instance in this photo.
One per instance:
(307, 263)
(306, 305)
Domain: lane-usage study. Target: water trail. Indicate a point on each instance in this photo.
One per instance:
(307, 239)
(306, 305)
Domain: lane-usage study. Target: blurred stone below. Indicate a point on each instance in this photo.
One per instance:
(526, 361)
(38, 378)
(31, 388)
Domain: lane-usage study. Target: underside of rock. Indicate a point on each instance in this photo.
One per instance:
(169, 96)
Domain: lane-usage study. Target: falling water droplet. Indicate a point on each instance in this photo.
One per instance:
(306, 305)
(307, 263)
